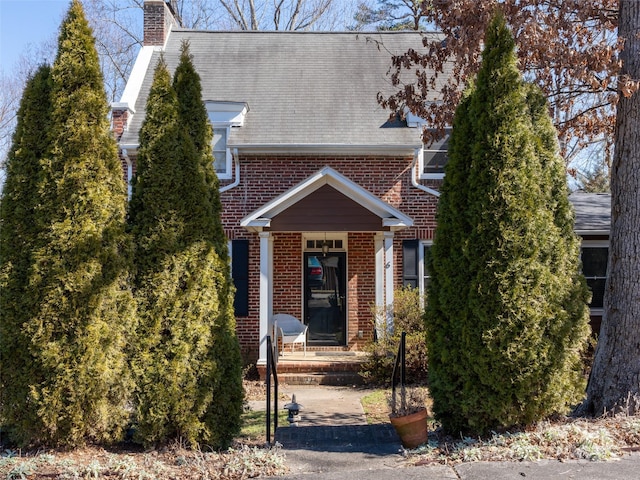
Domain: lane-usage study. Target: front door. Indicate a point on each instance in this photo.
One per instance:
(325, 301)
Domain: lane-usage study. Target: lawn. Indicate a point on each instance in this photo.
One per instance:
(254, 429)
(376, 404)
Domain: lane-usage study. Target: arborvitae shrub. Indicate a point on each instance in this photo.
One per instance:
(505, 332)
(195, 120)
(77, 380)
(223, 415)
(20, 234)
(188, 364)
(446, 308)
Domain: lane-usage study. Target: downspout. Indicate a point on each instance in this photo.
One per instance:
(125, 155)
(414, 174)
(236, 182)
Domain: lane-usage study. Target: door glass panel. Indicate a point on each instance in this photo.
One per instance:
(325, 299)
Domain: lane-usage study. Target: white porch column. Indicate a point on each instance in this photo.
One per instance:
(389, 274)
(266, 262)
(379, 285)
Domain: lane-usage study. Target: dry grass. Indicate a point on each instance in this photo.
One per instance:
(563, 438)
(254, 390)
(248, 458)
(170, 463)
(376, 403)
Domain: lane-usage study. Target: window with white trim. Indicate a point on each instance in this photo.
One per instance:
(434, 157)
(224, 116)
(221, 154)
(425, 276)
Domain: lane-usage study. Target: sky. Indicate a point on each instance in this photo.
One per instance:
(24, 22)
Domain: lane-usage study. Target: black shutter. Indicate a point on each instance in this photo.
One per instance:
(410, 258)
(240, 275)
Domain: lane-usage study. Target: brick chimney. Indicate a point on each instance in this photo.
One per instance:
(159, 17)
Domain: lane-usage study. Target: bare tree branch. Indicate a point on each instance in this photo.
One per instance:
(236, 14)
(567, 47)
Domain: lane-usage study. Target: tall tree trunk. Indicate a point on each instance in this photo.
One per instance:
(615, 380)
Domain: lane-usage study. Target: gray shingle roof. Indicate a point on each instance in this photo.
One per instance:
(593, 211)
(302, 88)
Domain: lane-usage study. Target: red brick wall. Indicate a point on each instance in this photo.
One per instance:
(287, 274)
(157, 22)
(118, 125)
(119, 122)
(264, 178)
(361, 287)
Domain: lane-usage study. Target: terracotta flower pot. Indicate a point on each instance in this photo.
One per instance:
(412, 428)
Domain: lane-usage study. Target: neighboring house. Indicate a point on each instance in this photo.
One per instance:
(328, 205)
(593, 224)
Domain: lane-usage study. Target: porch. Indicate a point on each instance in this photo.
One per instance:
(325, 255)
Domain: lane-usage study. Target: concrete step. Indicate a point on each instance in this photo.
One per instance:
(343, 378)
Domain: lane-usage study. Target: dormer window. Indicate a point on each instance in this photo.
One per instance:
(221, 154)
(434, 156)
(224, 117)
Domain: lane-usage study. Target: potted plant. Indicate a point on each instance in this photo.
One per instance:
(409, 416)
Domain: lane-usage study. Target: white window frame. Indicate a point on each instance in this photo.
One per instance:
(414, 121)
(227, 174)
(344, 237)
(425, 151)
(421, 272)
(225, 115)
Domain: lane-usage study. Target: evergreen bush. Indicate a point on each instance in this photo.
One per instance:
(447, 291)
(508, 315)
(188, 364)
(224, 412)
(80, 308)
(194, 118)
(408, 316)
(20, 235)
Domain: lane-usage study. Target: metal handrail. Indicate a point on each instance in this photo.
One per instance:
(271, 370)
(400, 362)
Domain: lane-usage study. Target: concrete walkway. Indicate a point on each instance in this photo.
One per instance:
(332, 441)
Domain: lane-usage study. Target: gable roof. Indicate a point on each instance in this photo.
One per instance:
(389, 216)
(304, 90)
(593, 213)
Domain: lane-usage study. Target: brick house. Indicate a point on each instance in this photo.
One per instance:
(327, 204)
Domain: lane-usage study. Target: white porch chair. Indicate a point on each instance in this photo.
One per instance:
(290, 330)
